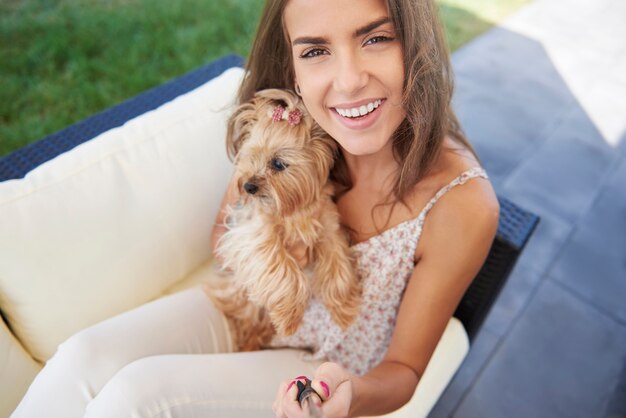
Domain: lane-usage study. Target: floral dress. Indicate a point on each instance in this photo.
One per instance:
(385, 263)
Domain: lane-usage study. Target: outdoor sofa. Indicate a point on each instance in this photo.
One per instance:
(116, 211)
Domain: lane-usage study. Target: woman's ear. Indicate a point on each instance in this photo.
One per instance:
(296, 88)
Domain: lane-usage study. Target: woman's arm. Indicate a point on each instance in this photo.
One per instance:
(457, 238)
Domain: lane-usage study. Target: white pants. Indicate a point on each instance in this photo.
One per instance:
(169, 358)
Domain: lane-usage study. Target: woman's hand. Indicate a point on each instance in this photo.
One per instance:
(331, 381)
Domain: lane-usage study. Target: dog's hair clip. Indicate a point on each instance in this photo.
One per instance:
(280, 113)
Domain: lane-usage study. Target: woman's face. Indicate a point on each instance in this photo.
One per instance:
(349, 66)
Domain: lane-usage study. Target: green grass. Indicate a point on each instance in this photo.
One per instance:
(466, 19)
(64, 60)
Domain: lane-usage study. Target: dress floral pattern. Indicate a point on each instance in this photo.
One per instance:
(384, 264)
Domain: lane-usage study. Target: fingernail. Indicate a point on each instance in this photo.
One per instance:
(325, 387)
(301, 377)
(290, 385)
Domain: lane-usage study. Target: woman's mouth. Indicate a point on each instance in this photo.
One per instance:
(359, 117)
(356, 112)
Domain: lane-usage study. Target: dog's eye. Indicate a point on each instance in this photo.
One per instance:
(278, 165)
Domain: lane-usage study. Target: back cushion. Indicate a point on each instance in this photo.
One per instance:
(110, 224)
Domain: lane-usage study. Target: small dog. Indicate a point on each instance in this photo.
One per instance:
(282, 162)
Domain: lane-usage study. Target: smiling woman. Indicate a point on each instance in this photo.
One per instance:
(378, 79)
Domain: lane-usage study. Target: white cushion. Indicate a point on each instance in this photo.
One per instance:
(205, 273)
(112, 223)
(17, 370)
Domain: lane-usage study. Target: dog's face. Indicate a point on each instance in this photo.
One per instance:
(280, 165)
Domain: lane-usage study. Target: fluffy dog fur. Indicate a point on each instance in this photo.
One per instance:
(266, 290)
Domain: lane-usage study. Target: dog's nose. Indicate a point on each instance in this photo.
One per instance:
(250, 188)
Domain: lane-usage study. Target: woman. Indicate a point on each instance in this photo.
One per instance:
(340, 57)
(376, 76)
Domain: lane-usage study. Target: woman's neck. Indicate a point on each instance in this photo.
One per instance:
(374, 172)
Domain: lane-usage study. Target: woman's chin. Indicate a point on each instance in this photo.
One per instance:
(360, 147)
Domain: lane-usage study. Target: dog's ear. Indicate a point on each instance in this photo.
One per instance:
(325, 150)
(247, 114)
(239, 125)
(320, 136)
(274, 97)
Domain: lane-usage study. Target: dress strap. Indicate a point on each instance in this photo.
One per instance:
(461, 179)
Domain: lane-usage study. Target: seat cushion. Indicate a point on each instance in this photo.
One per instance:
(109, 225)
(17, 370)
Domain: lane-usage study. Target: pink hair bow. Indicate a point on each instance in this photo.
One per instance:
(280, 113)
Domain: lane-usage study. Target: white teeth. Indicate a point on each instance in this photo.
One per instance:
(359, 111)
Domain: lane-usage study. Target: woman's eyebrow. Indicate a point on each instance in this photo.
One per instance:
(309, 40)
(371, 26)
(319, 40)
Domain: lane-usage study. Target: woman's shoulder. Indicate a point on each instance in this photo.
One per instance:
(461, 206)
(454, 160)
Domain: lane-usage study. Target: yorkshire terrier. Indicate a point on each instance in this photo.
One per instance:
(282, 162)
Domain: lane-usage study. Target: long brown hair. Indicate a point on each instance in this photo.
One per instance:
(428, 86)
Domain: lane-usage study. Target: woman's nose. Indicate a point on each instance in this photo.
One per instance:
(351, 75)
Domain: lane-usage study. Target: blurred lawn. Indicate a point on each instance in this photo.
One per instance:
(64, 60)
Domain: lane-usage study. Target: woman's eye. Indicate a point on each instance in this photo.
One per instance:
(277, 164)
(312, 53)
(378, 39)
